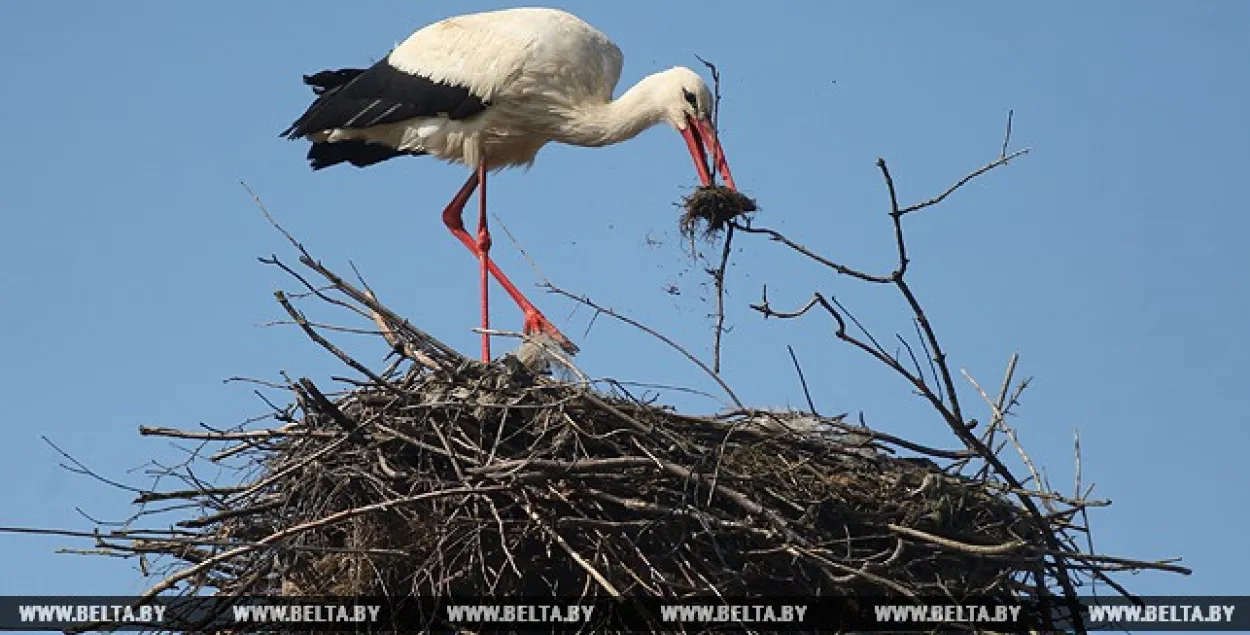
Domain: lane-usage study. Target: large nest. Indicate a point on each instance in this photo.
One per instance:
(495, 480)
(513, 483)
(442, 476)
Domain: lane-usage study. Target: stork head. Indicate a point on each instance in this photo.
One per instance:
(688, 107)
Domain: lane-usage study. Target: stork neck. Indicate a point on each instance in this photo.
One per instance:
(621, 119)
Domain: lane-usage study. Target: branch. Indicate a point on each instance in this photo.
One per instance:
(653, 333)
(718, 275)
(1003, 160)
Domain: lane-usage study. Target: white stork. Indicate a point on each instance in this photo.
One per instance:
(489, 90)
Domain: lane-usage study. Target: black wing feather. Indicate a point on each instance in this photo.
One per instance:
(358, 153)
(381, 94)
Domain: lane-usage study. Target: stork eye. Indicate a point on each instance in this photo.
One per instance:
(690, 98)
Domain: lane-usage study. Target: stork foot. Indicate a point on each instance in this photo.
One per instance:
(537, 324)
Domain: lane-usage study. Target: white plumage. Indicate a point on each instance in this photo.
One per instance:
(489, 90)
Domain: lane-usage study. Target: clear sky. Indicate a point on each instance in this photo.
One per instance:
(1112, 258)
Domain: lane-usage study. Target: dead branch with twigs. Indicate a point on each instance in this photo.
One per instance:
(1063, 568)
(436, 475)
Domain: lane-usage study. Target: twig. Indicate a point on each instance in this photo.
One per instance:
(577, 557)
(1158, 565)
(79, 468)
(226, 556)
(1003, 160)
(653, 333)
(839, 268)
(984, 550)
(1007, 135)
(718, 275)
(326, 344)
(999, 419)
(715, 101)
(807, 394)
(930, 336)
(875, 351)
(326, 406)
(151, 497)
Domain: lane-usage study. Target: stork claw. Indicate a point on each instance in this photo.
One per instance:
(537, 324)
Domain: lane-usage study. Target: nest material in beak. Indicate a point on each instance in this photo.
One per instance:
(714, 205)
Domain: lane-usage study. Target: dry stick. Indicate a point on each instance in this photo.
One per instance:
(350, 291)
(777, 236)
(512, 467)
(921, 317)
(1089, 535)
(862, 329)
(204, 521)
(635, 504)
(577, 557)
(881, 436)
(999, 418)
(363, 298)
(1076, 451)
(715, 102)
(956, 420)
(1006, 385)
(911, 354)
(259, 382)
(984, 550)
(326, 344)
(1003, 160)
(517, 244)
(819, 300)
(53, 532)
(807, 394)
(1059, 498)
(240, 448)
(928, 354)
(313, 291)
(182, 547)
(1001, 404)
(346, 514)
(864, 573)
(904, 443)
(748, 504)
(952, 415)
(621, 385)
(1007, 135)
(79, 468)
(653, 333)
(245, 435)
(274, 477)
(323, 326)
(1011, 402)
(152, 497)
(1161, 565)
(327, 407)
(398, 344)
(718, 275)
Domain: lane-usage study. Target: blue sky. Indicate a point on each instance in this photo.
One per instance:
(1112, 258)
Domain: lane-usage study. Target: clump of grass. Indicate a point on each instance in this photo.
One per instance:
(712, 207)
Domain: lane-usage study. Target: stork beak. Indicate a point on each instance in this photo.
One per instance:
(701, 136)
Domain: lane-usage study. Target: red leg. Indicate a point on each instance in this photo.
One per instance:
(535, 322)
(483, 255)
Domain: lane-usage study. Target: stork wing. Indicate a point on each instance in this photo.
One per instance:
(381, 94)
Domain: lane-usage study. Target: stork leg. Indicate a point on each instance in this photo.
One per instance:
(483, 255)
(535, 322)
